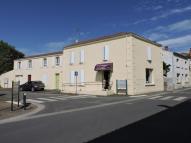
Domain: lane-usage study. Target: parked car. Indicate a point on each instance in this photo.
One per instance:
(32, 86)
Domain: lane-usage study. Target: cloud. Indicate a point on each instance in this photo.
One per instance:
(179, 42)
(157, 7)
(157, 36)
(180, 26)
(171, 12)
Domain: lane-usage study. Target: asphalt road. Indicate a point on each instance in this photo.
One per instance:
(153, 118)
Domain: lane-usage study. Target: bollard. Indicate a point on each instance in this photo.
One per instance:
(24, 100)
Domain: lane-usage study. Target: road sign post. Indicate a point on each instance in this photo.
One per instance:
(76, 75)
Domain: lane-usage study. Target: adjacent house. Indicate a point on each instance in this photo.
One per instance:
(178, 76)
(44, 67)
(95, 65)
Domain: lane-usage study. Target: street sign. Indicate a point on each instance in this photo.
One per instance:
(76, 73)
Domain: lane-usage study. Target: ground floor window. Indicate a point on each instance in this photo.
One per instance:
(178, 77)
(149, 75)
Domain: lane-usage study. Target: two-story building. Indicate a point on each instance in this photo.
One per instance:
(99, 63)
(178, 76)
(47, 68)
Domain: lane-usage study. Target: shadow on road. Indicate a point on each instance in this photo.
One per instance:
(171, 125)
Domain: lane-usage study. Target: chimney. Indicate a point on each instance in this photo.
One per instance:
(166, 48)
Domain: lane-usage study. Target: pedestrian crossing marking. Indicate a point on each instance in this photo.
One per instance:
(47, 99)
(166, 98)
(35, 101)
(180, 98)
(155, 97)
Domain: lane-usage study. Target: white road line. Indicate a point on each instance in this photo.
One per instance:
(136, 96)
(47, 99)
(180, 98)
(15, 102)
(156, 97)
(35, 101)
(166, 98)
(58, 98)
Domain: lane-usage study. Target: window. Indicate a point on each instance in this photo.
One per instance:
(178, 77)
(72, 77)
(185, 62)
(81, 56)
(149, 54)
(149, 75)
(177, 60)
(19, 65)
(82, 79)
(72, 58)
(186, 78)
(30, 64)
(106, 53)
(45, 62)
(57, 60)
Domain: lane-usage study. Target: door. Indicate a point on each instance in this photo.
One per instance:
(57, 80)
(106, 79)
(29, 78)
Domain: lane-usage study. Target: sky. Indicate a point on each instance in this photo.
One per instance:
(40, 26)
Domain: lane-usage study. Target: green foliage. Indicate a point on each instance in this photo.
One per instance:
(166, 68)
(8, 54)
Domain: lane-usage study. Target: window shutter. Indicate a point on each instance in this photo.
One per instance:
(72, 77)
(82, 79)
(72, 58)
(82, 56)
(106, 53)
(149, 55)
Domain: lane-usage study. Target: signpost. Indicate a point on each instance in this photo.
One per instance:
(15, 90)
(76, 75)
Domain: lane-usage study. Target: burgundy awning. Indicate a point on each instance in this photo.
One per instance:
(104, 67)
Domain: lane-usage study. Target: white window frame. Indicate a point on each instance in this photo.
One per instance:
(72, 58)
(150, 78)
(82, 56)
(19, 65)
(57, 62)
(105, 53)
(149, 54)
(43, 62)
(30, 64)
(82, 77)
(72, 77)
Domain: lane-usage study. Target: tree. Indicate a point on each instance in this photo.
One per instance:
(8, 54)
(166, 68)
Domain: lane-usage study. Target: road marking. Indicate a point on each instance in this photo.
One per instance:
(14, 102)
(58, 98)
(136, 96)
(35, 101)
(180, 98)
(166, 98)
(155, 97)
(47, 99)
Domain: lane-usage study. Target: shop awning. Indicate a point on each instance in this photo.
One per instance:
(104, 67)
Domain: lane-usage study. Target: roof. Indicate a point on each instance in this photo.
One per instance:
(110, 37)
(180, 55)
(43, 55)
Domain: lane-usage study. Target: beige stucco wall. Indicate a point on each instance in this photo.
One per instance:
(37, 71)
(140, 63)
(94, 55)
(128, 56)
(6, 79)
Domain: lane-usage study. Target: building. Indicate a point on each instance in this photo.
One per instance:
(100, 62)
(45, 67)
(178, 76)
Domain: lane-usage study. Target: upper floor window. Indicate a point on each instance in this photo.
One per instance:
(82, 56)
(149, 54)
(29, 64)
(45, 62)
(106, 53)
(72, 58)
(19, 65)
(57, 61)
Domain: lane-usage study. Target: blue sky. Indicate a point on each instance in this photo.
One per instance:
(40, 26)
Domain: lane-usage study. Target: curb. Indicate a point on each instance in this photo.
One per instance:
(40, 107)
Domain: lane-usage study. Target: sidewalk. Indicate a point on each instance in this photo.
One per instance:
(5, 110)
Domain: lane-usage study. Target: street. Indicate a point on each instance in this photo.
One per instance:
(66, 119)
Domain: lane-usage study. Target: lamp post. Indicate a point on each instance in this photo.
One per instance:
(76, 75)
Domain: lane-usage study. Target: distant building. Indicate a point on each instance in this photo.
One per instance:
(44, 67)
